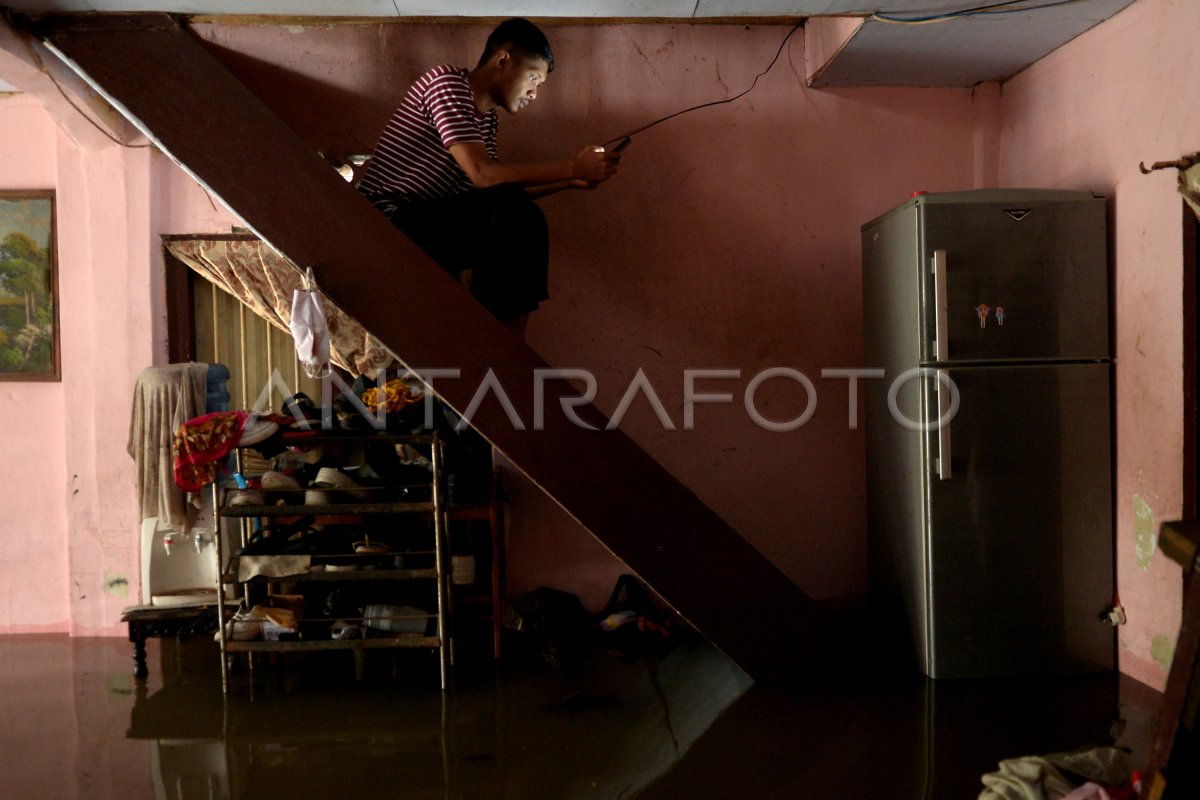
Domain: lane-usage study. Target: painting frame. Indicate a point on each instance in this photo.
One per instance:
(29, 302)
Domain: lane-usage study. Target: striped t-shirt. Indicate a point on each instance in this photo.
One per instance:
(412, 158)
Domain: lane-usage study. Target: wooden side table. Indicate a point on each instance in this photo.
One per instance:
(159, 621)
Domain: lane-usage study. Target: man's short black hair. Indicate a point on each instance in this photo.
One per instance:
(521, 37)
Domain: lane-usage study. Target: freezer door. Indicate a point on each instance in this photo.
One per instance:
(1013, 281)
(1019, 542)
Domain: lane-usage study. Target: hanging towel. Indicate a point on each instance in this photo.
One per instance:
(163, 399)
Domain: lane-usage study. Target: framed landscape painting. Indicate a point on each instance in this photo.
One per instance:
(28, 288)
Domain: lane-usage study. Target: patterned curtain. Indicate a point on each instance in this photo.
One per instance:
(264, 281)
(1189, 184)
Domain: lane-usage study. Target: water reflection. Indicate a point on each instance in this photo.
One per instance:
(526, 731)
(682, 726)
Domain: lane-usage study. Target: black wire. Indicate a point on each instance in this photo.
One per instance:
(946, 14)
(963, 12)
(1036, 8)
(713, 102)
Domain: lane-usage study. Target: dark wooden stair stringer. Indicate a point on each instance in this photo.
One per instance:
(209, 123)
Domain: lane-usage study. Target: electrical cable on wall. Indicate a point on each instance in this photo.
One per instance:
(1003, 7)
(661, 120)
(41, 67)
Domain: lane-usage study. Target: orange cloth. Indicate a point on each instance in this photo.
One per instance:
(202, 443)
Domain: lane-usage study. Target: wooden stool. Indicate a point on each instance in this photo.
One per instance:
(159, 621)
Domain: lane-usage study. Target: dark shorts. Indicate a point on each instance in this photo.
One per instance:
(499, 233)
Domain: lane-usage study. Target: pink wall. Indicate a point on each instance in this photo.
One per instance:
(69, 544)
(1084, 117)
(33, 524)
(729, 240)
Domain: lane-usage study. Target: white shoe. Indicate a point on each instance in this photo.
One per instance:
(330, 478)
(248, 497)
(278, 482)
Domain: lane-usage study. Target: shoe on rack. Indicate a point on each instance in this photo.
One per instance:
(330, 478)
(301, 412)
(248, 497)
(279, 482)
(243, 626)
(257, 430)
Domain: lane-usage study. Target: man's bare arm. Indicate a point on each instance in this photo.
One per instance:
(547, 189)
(591, 166)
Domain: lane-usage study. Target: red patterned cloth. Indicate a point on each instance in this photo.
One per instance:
(202, 443)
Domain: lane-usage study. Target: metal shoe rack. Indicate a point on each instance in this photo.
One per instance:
(352, 567)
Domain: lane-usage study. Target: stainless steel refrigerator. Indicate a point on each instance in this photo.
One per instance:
(990, 534)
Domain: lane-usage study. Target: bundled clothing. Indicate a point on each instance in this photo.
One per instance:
(201, 445)
(1096, 774)
(163, 399)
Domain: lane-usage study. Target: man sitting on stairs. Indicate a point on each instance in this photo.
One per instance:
(435, 172)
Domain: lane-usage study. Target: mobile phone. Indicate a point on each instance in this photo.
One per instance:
(621, 145)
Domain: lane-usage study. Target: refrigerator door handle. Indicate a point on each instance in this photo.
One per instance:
(941, 325)
(944, 401)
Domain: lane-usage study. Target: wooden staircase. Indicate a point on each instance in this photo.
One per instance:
(208, 122)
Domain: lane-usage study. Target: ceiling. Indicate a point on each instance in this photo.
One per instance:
(618, 9)
(961, 51)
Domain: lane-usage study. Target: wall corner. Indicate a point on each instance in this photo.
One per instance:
(985, 135)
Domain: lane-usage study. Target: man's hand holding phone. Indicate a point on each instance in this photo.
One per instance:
(597, 164)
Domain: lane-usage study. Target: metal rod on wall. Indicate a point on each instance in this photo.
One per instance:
(270, 360)
(242, 337)
(216, 329)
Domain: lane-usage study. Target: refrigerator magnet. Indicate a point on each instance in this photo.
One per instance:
(982, 310)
